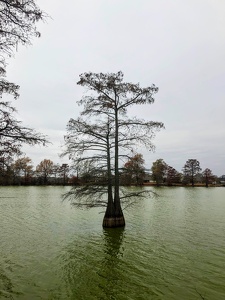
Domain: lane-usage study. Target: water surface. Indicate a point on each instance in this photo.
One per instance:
(173, 247)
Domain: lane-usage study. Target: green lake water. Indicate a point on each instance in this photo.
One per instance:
(173, 247)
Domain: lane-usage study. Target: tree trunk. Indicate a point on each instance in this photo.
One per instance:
(206, 181)
(192, 175)
(108, 220)
(114, 214)
(119, 217)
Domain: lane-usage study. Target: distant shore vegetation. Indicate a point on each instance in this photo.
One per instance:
(134, 172)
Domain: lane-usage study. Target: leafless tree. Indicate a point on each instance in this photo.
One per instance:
(22, 169)
(207, 176)
(105, 130)
(17, 26)
(45, 169)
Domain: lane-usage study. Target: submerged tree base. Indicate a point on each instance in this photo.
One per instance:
(109, 222)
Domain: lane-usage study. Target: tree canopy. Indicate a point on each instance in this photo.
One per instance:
(17, 25)
(191, 169)
(208, 176)
(45, 169)
(159, 168)
(133, 170)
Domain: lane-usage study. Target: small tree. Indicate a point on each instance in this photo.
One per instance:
(207, 176)
(134, 171)
(191, 169)
(6, 172)
(64, 172)
(45, 169)
(23, 169)
(100, 138)
(56, 173)
(172, 175)
(159, 168)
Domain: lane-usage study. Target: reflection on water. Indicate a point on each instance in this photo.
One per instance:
(6, 286)
(111, 265)
(173, 247)
(91, 265)
(113, 239)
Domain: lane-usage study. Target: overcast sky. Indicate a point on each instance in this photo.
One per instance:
(179, 45)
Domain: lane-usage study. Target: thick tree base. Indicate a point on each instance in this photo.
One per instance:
(113, 222)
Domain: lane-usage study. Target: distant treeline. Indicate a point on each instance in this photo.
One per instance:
(22, 172)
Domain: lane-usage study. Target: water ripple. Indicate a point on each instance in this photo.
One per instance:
(173, 247)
